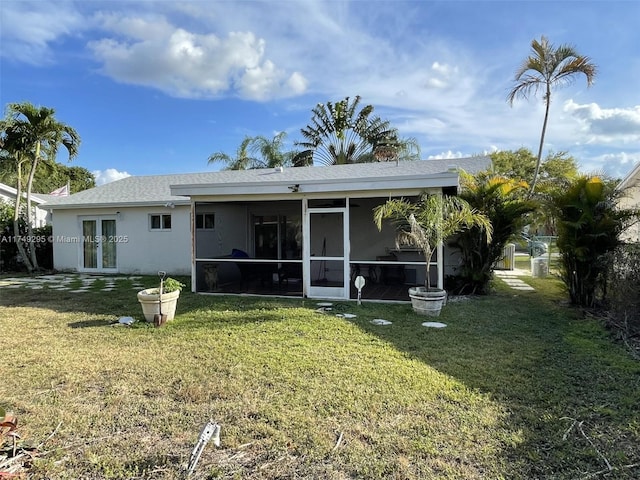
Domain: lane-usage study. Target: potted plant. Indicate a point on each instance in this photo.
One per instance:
(425, 224)
(150, 299)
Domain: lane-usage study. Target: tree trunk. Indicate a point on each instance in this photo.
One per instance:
(16, 221)
(32, 243)
(542, 135)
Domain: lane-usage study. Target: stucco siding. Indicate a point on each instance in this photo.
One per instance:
(139, 249)
(631, 199)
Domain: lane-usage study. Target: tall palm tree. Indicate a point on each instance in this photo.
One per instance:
(242, 161)
(340, 134)
(32, 133)
(13, 154)
(545, 68)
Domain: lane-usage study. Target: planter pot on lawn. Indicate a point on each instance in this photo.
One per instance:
(150, 301)
(427, 301)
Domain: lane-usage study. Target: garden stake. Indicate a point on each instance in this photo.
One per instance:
(159, 319)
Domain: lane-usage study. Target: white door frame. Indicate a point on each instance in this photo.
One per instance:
(99, 239)
(334, 292)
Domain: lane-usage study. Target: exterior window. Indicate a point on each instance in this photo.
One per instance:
(160, 222)
(205, 221)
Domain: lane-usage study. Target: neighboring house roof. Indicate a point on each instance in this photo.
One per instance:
(631, 180)
(10, 192)
(163, 189)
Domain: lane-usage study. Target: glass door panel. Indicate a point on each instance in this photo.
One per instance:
(108, 243)
(89, 244)
(98, 246)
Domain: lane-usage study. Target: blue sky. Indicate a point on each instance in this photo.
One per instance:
(155, 87)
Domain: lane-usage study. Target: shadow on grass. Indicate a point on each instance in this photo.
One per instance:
(91, 323)
(544, 364)
(550, 369)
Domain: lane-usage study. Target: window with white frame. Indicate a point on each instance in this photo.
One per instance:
(205, 221)
(160, 222)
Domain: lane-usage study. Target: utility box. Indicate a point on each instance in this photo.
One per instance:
(539, 267)
(508, 260)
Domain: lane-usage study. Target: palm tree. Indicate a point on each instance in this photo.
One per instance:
(340, 134)
(396, 149)
(590, 223)
(271, 151)
(504, 201)
(242, 161)
(29, 133)
(429, 221)
(545, 68)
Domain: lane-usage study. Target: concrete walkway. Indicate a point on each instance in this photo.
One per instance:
(511, 278)
(72, 282)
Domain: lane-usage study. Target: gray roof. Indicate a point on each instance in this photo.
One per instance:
(632, 178)
(35, 197)
(156, 189)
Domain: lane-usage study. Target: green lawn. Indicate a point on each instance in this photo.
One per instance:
(517, 386)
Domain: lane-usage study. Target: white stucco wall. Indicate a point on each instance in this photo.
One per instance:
(631, 199)
(230, 230)
(140, 250)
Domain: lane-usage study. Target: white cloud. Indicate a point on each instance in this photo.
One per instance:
(616, 165)
(448, 155)
(441, 76)
(181, 63)
(28, 28)
(108, 175)
(606, 124)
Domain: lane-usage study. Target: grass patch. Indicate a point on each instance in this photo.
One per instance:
(497, 394)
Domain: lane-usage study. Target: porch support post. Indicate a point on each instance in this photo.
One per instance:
(440, 265)
(306, 249)
(192, 228)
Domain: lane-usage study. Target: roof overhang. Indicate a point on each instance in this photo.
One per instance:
(93, 206)
(286, 189)
(631, 180)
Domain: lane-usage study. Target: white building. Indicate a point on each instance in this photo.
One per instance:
(630, 186)
(41, 216)
(303, 231)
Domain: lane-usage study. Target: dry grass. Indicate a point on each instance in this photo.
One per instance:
(300, 394)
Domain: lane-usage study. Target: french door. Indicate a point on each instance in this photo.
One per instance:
(98, 245)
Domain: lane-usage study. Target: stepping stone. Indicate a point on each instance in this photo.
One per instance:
(380, 321)
(434, 324)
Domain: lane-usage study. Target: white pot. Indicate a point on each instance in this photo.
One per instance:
(150, 301)
(427, 301)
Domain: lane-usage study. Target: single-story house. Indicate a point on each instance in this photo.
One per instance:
(40, 216)
(630, 186)
(305, 231)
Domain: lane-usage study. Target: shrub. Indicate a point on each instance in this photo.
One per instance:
(589, 227)
(623, 285)
(503, 202)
